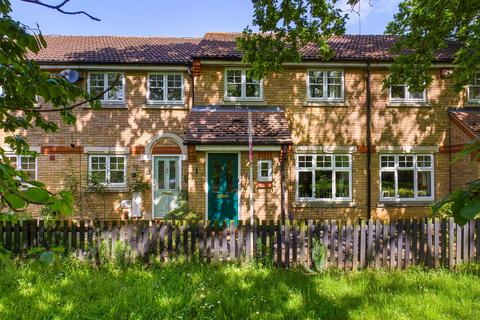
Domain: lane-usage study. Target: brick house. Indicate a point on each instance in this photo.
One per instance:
(328, 140)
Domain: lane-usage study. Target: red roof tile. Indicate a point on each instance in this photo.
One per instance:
(346, 47)
(224, 125)
(468, 119)
(116, 49)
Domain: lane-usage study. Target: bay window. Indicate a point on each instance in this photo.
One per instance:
(109, 170)
(324, 177)
(241, 85)
(99, 82)
(406, 177)
(325, 84)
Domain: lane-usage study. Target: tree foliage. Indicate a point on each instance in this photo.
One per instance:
(23, 84)
(423, 28)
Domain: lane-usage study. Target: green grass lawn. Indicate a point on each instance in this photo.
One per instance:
(196, 291)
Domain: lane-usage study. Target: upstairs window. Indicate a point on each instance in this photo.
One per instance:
(98, 82)
(473, 90)
(324, 177)
(406, 177)
(165, 88)
(109, 170)
(26, 164)
(402, 93)
(324, 84)
(240, 85)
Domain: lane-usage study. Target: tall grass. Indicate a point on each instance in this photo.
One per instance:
(76, 290)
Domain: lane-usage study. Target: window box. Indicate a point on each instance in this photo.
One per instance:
(325, 85)
(98, 82)
(406, 177)
(324, 177)
(165, 88)
(241, 86)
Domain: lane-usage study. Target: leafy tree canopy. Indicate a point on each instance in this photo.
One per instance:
(22, 84)
(423, 27)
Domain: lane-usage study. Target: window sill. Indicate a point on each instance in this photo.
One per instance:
(408, 104)
(158, 105)
(244, 101)
(109, 105)
(399, 204)
(112, 189)
(324, 204)
(324, 103)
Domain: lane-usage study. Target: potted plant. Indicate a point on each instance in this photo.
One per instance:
(137, 185)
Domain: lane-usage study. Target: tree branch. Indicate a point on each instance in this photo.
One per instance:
(59, 8)
(73, 106)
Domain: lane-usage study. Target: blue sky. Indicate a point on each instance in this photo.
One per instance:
(173, 17)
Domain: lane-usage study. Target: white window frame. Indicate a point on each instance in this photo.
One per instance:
(415, 169)
(107, 168)
(18, 162)
(332, 168)
(243, 89)
(269, 176)
(407, 99)
(106, 85)
(165, 88)
(477, 79)
(325, 85)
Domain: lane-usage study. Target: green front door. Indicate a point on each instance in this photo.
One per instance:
(222, 186)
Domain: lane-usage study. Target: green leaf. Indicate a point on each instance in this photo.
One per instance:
(471, 209)
(36, 195)
(14, 201)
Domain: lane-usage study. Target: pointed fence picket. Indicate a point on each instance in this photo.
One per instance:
(346, 245)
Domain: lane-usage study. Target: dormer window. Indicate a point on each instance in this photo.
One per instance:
(325, 85)
(402, 93)
(473, 90)
(241, 85)
(99, 82)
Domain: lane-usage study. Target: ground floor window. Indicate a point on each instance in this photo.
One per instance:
(324, 177)
(406, 177)
(26, 164)
(108, 170)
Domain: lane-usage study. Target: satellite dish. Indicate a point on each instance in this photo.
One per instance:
(70, 75)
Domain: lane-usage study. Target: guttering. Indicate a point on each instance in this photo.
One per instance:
(369, 143)
(330, 64)
(116, 67)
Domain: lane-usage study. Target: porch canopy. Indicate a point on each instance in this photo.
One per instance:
(227, 125)
(468, 119)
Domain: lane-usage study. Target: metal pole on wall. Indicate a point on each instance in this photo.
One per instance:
(250, 162)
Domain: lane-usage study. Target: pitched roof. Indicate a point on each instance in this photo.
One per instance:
(468, 119)
(116, 49)
(222, 45)
(226, 125)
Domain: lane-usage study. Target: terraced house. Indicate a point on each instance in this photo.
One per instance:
(329, 141)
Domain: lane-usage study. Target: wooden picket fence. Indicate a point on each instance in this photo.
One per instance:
(346, 245)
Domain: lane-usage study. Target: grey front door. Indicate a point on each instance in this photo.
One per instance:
(166, 184)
